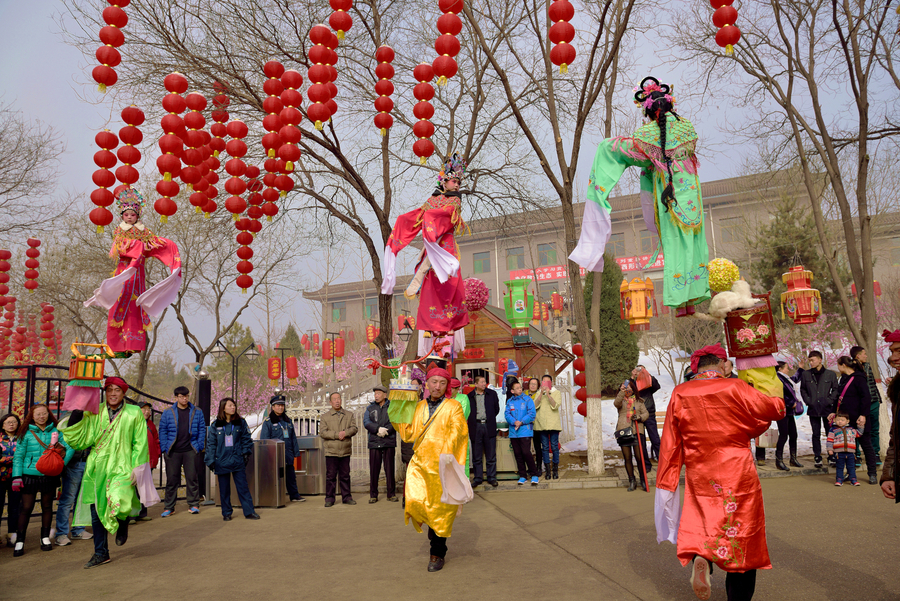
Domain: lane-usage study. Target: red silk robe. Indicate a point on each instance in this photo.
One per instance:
(708, 428)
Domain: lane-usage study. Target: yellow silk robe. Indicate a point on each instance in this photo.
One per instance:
(444, 432)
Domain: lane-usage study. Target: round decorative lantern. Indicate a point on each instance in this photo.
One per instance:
(724, 18)
(447, 45)
(722, 274)
(384, 88)
(340, 19)
(801, 302)
(476, 294)
(423, 129)
(105, 159)
(637, 303)
(561, 34)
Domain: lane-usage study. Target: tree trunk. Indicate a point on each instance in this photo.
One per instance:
(596, 466)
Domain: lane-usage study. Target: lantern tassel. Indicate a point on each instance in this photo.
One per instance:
(206, 215)
(564, 68)
(383, 132)
(99, 229)
(271, 153)
(197, 210)
(289, 166)
(234, 216)
(319, 125)
(167, 176)
(442, 81)
(340, 34)
(216, 153)
(243, 291)
(268, 218)
(422, 160)
(729, 50)
(163, 219)
(102, 88)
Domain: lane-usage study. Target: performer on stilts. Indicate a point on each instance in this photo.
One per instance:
(670, 197)
(125, 294)
(723, 522)
(117, 477)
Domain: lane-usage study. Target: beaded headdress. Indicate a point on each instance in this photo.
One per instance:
(129, 199)
(454, 167)
(648, 86)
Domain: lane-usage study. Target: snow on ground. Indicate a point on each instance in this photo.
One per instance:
(610, 415)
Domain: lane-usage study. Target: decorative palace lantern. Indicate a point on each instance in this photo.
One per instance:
(304, 342)
(291, 370)
(291, 117)
(561, 34)
(274, 370)
(447, 45)
(384, 88)
(318, 75)
(556, 301)
(371, 335)
(315, 339)
(637, 303)
(32, 264)
(875, 285)
(131, 136)
(340, 19)
(518, 310)
(802, 302)
(724, 18)
(112, 37)
(327, 350)
(545, 312)
(339, 349)
(423, 111)
(535, 312)
(103, 178)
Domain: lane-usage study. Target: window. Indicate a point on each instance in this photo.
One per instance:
(338, 312)
(728, 230)
(371, 308)
(895, 251)
(648, 242)
(616, 245)
(482, 262)
(547, 254)
(547, 289)
(515, 258)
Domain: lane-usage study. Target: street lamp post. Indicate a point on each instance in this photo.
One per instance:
(332, 334)
(220, 350)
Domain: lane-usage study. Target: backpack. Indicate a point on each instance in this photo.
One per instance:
(51, 462)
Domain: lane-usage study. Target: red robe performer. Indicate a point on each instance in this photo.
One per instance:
(438, 281)
(125, 294)
(710, 422)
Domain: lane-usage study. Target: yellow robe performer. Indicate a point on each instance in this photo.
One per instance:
(438, 427)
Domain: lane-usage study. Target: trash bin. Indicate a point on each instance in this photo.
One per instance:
(311, 468)
(265, 475)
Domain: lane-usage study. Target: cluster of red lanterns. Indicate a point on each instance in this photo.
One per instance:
(384, 88)
(32, 264)
(579, 366)
(104, 179)
(724, 18)
(340, 20)
(244, 254)
(322, 74)
(236, 168)
(423, 111)
(333, 350)
(447, 45)
(289, 134)
(5, 256)
(9, 303)
(47, 327)
(128, 154)
(171, 144)
(540, 312)
(561, 34)
(112, 37)
(276, 180)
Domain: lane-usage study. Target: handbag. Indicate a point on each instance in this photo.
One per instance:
(625, 436)
(768, 439)
(51, 462)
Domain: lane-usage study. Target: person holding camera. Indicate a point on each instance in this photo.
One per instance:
(632, 412)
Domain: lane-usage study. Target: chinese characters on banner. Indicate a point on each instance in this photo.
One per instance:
(559, 272)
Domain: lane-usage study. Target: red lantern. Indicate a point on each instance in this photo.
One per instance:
(383, 104)
(447, 45)
(801, 301)
(131, 136)
(578, 350)
(724, 18)
(274, 370)
(327, 352)
(291, 117)
(111, 36)
(339, 349)
(319, 74)
(340, 20)
(290, 368)
(31, 274)
(423, 92)
(244, 282)
(103, 178)
(371, 335)
(561, 34)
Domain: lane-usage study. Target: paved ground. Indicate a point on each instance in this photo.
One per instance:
(825, 542)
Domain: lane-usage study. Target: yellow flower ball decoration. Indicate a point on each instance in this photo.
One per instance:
(722, 274)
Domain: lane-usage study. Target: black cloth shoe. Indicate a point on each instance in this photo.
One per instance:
(96, 560)
(252, 516)
(779, 463)
(226, 518)
(494, 483)
(122, 533)
(435, 563)
(794, 462)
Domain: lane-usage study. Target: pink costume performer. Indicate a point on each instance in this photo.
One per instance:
(438, 281)
(125, 294)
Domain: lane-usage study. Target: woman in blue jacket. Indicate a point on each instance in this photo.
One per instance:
(228, 449)
(37, 433)
(520, 414)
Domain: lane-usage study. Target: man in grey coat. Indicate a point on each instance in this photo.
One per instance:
(819, 388)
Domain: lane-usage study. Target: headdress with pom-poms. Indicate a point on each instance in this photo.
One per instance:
(129, 199)
(454, 167)
(648, 86)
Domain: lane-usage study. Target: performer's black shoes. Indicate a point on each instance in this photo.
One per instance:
(96, 560)
(435, 564)
(794, 462)
(122, 533)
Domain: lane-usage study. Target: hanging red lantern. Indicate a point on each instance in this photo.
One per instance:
(339, 349)
(111, 36)
(274, 370)
(318, 75)
(724, 18)
(128, 154)
(104, 179)
(447, 44)
(236, 168)
(423, 129)
(327, 351)
(340, 19)
(561, 34)
(291, 117)
(291, 369)
(31, 274)
(384, 88)
(371, 335)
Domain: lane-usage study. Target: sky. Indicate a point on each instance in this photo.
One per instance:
(44, 77)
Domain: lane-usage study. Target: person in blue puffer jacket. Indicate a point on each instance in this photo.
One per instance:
(182, 433)
(228, 449)
(520, 414)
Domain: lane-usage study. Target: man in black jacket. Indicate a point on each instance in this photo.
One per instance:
(484, 406)
(382, 444)
(819, 388)
(650, 404)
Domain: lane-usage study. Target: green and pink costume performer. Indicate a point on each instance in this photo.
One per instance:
(670, 197)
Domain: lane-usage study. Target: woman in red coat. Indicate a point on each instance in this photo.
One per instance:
(153, 445)
(710, 422)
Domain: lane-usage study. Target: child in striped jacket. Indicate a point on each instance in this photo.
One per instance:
(842, 444)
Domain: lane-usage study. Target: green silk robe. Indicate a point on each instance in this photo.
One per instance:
(117, 448)
(464, 402)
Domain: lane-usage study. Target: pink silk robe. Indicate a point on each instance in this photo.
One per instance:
(708, 428)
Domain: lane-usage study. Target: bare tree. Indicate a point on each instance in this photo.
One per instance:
(29, 162)
(796, 62)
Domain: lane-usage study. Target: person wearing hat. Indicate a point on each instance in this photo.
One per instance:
(152, 445)
(438, 427)
(382, 444)
(278, 426)
(117, 478)
(723, 522)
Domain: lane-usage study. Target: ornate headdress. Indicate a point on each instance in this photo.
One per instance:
(649, 85)
(454, 167)
(129, 199)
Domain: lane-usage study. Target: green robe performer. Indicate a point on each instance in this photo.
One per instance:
(117, 477)
(671, 201)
